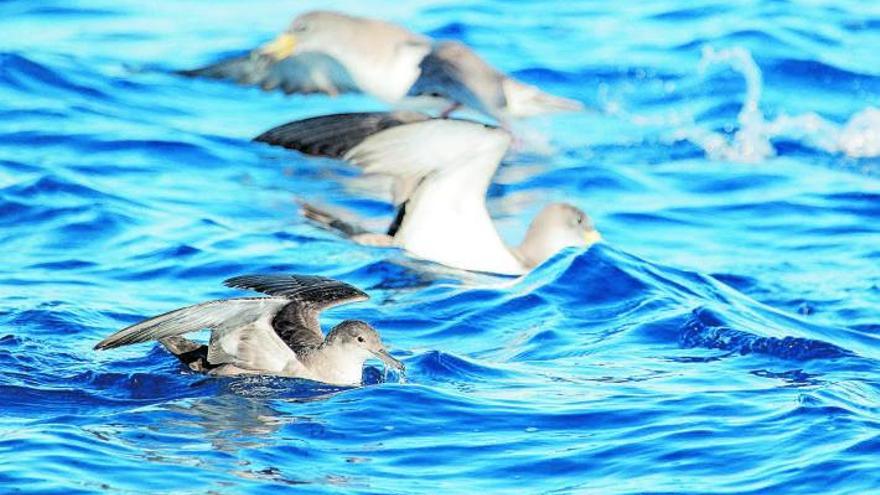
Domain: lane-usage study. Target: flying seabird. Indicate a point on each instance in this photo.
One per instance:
(330, 52)
(276, 335)
(441, 170)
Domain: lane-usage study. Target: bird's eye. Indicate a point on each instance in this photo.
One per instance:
(360, 339)
(300, 27)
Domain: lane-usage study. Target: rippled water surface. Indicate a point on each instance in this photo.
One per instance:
(724, 338)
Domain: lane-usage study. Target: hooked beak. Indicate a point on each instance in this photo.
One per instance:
(592, 236)
(279, 48)
(389, 360)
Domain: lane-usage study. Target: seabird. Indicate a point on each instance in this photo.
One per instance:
(275, 335)
(441, 170)
(330, 52)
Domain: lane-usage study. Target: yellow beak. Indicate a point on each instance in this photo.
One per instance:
(591, 237)
(279, 48)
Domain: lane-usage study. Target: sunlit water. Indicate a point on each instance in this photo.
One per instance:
(723, 339)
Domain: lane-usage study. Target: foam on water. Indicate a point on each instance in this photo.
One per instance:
(858, 137)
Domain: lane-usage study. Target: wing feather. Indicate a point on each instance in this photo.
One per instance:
(334, 135)
(418, 153)
(442, 170)
(321, 292)
(208, 315)
(298, 323)
(455, 72)
(309, 72)
(407, 146)
(256, 346)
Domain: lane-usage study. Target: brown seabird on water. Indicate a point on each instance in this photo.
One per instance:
(275, 335)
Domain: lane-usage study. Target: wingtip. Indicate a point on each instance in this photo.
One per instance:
(358, 291)
(276, 135)
(263, 138)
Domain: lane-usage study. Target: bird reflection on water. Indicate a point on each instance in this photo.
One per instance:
(248, 413)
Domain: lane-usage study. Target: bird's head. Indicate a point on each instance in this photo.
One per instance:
(358, 338)
(557, 226)
(314, 31)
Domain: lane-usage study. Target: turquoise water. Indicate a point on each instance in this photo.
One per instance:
(723, 339)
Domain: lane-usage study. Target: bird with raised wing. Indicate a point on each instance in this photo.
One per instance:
(275, 335)
(441, 170)
(331, 52)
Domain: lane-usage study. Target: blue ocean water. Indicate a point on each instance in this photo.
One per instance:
(724, 339)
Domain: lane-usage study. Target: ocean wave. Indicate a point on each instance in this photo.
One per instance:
(724, 337)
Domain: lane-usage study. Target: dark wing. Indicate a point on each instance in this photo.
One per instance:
(334, 135)
(455, 72)
(312, 289)
(297, 323)
(309, 72)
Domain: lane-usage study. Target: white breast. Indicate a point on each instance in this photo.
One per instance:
(390, 78)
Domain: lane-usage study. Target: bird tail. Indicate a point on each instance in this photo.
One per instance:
(330, 221)
(524, 100)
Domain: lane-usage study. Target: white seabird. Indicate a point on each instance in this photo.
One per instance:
(330, 52)
(276, 335)
(441, 170)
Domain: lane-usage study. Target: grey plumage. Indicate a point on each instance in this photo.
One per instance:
(306, 73)
(297, 322)
(211, 314)
(454, 72)
(279, 334)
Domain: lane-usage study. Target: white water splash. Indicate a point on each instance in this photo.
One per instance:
(751, 143)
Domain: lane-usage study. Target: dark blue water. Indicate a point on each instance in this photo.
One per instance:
(725, 338)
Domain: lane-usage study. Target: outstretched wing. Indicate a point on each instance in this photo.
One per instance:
(407, 146)
(462, 155)
(455, 72)
(441, 170)
(215, 315)
(297, 322)
(308, 72)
